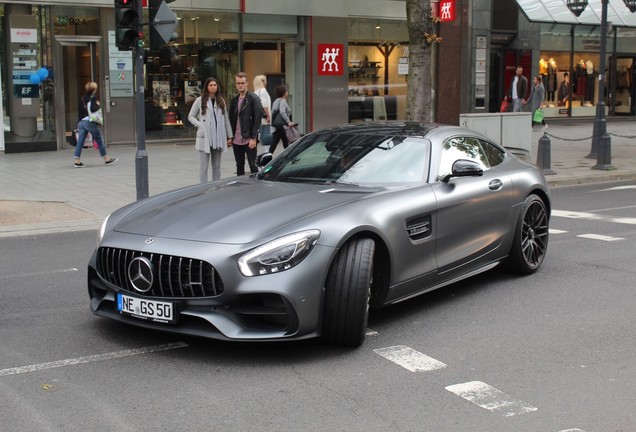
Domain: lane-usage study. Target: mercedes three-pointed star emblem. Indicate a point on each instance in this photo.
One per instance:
(140, 274)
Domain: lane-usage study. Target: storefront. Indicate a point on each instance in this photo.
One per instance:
(568, 58)
(74, 43)
(572, 74)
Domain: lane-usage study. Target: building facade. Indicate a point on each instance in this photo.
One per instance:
(340, 61)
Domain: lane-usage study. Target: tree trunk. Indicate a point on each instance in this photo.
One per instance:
(418, 103)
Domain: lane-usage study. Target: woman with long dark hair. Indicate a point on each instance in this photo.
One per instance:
(208, 115)
(280, 108)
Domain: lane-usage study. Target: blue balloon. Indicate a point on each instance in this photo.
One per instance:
(43, 73)
(35, 78)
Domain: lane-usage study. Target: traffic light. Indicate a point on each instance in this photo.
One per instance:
(127, 20)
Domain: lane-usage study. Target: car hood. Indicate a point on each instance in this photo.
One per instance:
(238, 211)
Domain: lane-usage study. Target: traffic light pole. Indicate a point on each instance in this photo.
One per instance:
(141, 158)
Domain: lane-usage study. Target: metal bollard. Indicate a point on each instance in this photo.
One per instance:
(604, 155)
(543, 155)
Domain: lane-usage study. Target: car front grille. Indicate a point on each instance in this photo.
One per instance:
(173, 276)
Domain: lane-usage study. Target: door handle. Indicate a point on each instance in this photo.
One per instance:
(495, 184)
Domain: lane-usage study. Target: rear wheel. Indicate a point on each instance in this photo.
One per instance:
(347, 292)
(531, 237)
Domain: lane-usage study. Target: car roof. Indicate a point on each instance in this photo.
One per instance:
(400, 128)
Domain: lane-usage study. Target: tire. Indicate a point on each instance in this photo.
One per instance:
(531, 234)
(347, 292)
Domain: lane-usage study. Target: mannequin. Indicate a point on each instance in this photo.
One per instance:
(551, 83)
(581, 79)
(543, 66)
(564, 91)
(591, 75)
(543, 71)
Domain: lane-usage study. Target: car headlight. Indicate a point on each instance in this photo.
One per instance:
(278, 255)
(102, 230)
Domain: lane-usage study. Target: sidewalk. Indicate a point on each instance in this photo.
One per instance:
(42, 192)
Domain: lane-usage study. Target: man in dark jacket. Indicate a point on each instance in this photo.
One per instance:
(245, 113)
(518, 90)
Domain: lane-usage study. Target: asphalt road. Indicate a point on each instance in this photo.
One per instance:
(550, 352)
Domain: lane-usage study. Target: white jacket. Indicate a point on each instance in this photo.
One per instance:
(213, 128)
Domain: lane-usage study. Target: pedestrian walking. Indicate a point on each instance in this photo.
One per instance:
(281, 117)
(537, 96)
(518, 89)
(89, 104)
(208, 115)
(245, 114)
(264, 135)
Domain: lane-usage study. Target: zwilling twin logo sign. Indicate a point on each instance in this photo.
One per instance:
(444, 10)
(330, 59)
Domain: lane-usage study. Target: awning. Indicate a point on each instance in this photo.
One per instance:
(556, 11)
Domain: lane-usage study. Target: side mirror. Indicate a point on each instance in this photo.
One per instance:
(263, 159)
(464, 168)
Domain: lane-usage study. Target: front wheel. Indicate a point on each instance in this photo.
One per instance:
(530, 242)
(347, 292)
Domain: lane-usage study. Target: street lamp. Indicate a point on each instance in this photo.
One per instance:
(601, 141)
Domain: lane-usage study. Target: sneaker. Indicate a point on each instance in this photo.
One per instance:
(79, 165)
(111, 161)
(545, 127)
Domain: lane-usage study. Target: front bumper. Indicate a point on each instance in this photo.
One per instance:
(285, 305)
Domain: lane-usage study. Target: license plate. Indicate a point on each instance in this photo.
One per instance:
(146, 309)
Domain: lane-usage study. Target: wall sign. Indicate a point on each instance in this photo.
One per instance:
(444, 10)
(330, 59)
(120, 68)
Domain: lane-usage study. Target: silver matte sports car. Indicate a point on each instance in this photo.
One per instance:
(346, 219)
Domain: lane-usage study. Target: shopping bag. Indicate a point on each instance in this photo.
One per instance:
(292, 134)
(97, 116)
(265, 136)
(87, 143)
(504, 105)
(538, 116)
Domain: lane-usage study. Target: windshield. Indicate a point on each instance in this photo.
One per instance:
(354, 159)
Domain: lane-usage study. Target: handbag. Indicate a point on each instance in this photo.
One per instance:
(292, 134)
(97, 116)
(537, 117)
(265, 136)
(504, 105)
(278, 121)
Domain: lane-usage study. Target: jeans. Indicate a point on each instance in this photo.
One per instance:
(213, 158)
(84, 127)
(516, 105)
(240, 151)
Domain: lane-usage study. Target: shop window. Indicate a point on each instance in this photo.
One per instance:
(377, 70)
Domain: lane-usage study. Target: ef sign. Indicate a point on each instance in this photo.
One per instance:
(330, 59)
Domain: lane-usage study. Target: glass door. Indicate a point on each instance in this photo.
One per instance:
(78, 60)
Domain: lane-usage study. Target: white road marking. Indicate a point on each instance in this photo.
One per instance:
(556, 231)
(410, 359)
(89, 359)
(72, 269)
(592, 216)
(618, 188)
(572, 430)
(488, 397)
(600, 237)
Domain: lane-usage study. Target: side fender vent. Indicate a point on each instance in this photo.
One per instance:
(419, 227)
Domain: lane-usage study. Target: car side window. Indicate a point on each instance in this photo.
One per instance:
(494, 154)
(461, 147)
